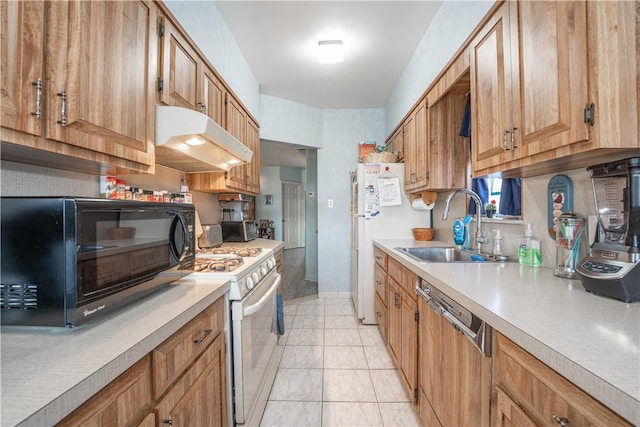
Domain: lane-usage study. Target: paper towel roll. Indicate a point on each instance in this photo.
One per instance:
(420, 205)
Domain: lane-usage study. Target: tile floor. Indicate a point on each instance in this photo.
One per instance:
(335, 371)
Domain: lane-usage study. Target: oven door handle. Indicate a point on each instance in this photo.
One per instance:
(253, 308)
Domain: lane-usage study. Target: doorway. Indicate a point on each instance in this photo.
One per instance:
(293, 215)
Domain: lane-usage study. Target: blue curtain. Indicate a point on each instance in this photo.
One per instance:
(481, 187)
(510, 197)
(465, 128)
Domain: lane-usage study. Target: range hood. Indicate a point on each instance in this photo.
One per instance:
(190, 141)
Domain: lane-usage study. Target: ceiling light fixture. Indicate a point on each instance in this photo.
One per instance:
(330, 51)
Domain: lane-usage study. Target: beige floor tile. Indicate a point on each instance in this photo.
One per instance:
(388, 386)
(302, 356)
(298, 384)
(344, 357)
(347, 385)
(310, 310)
(306, 337)
(342, 337)
(308, 322)
(341, 322)
(339, 310)
(292, 414)
(370, 336)
(351, 414)
(399, 415)
(378, 358)
(290, 310)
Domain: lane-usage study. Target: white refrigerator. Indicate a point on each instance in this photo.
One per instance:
(380, 209)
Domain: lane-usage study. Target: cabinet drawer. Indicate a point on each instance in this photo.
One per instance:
(380, 257)
(124, 401)
(403, 276)
(173, 357)
(380, 282)
(541, 393)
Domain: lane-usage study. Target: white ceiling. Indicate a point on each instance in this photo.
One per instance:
(279, 39)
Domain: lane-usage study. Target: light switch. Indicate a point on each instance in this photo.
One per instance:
(330, 203)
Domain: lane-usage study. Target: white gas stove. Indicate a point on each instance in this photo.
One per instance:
(245, 267)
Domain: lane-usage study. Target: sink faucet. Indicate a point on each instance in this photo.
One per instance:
(480, 237)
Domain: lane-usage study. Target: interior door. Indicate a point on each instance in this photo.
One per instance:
(291, 215)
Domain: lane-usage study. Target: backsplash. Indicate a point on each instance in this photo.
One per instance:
(534, 204)
(28, 180)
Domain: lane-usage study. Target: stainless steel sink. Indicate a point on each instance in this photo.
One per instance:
(445, 254)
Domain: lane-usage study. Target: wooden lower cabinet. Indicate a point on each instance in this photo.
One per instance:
(382, 317)
(526, 392)
(125, 401)
(198, 398)
(402, 332)
(182, 382)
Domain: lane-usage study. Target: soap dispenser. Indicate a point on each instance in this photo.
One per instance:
(497, 243)
(529, 249)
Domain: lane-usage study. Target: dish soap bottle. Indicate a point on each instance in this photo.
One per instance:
(497, 243)
(529, 249)
(459, 234)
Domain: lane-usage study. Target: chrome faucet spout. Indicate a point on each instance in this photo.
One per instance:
(480, 238)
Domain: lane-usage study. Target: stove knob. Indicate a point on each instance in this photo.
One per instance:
(270, 263)
(255, 276)
(263, 270)
(250, 283)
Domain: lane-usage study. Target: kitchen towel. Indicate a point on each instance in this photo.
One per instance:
(279, 314)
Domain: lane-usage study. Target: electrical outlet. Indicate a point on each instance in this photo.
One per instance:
(330, 203)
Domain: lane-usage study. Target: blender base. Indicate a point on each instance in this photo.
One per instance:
(623, 285)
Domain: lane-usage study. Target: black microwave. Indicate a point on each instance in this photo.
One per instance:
(68, 260)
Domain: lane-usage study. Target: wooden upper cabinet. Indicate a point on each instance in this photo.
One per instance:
(528, 81)
(415, 148)
(22, 65)
(237, 126)
(78, 80)
(213, 94)
(99, 68)
(179, 69)
(491, 91)
(253, 169)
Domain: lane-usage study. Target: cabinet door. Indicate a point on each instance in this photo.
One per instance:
(236, 126)
(198, 398)
(180, 69)
(421, 156)
(409, 344)
(491, 90)
(552, 78)
(395, 320)
(382, 318)
(253, 168)
(213, 93)
(409, 136)
(100, 62)
(124, 401)
(22, 65)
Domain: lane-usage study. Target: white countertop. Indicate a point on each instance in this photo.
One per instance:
(48, 372)
(592, 341)
(274, 245)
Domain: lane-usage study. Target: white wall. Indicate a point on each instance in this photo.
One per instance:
(451, 26)
(291, 122)
(343, 129)
(210, 32)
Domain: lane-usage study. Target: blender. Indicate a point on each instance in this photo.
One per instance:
(612, 268)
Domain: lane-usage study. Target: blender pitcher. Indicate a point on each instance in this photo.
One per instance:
(568, 233)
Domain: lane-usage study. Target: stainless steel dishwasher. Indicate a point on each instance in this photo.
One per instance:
(454, 361)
